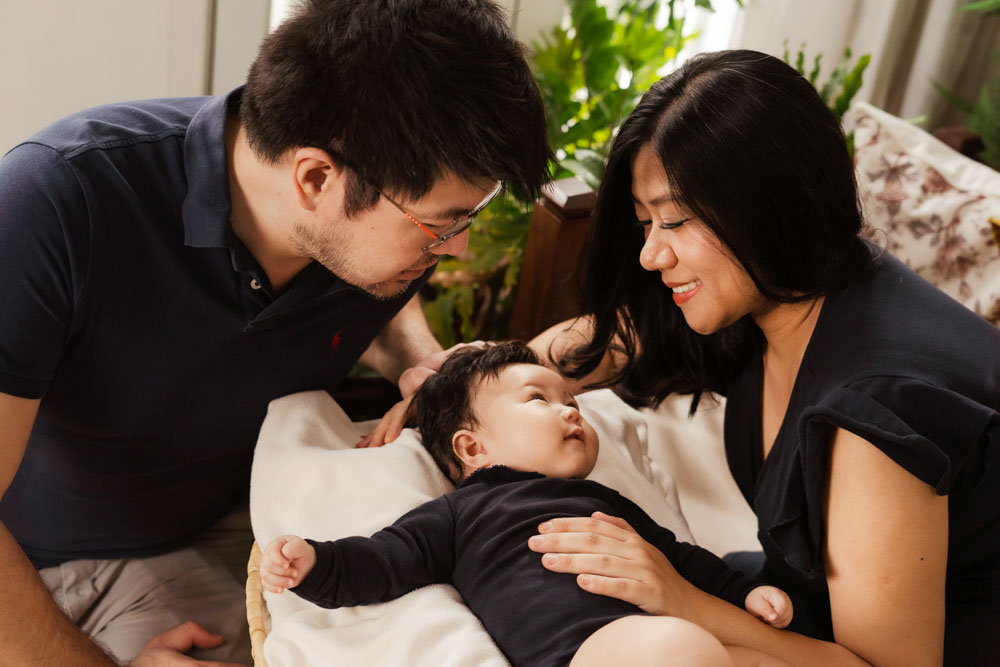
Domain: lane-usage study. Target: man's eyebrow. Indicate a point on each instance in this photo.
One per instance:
(447, 214)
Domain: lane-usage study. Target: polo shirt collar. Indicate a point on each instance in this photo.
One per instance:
(207, 206)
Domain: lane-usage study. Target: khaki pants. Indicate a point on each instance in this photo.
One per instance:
(123, 603)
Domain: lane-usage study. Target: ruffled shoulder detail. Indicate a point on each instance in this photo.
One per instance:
(930, 431)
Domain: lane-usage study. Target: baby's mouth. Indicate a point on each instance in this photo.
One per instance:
(575, 434)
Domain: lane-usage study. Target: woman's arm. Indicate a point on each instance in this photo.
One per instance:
(885, 552)
(560, 339)
(886, 556)
(612, 559)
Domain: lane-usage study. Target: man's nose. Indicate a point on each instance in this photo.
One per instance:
(456, 245)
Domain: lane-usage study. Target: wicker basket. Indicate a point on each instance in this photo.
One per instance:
(257, 616)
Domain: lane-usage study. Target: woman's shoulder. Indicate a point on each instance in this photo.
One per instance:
(893, 323)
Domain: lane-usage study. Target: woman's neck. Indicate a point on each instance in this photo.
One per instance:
(788, 327)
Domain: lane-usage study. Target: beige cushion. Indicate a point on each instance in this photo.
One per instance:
(932, 207)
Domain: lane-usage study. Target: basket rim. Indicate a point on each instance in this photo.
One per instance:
(258, 619)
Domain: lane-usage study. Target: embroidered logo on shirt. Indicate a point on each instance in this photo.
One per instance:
(335, 341)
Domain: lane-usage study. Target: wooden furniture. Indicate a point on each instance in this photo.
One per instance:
(547, 289)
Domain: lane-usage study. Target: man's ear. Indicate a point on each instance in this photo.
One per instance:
(318, 177)
(469, 449)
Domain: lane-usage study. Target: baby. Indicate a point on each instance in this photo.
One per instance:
(507, 431)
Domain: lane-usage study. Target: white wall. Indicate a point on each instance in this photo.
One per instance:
(60, 56)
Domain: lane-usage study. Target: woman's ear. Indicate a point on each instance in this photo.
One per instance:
(317, 177)
(469, 449)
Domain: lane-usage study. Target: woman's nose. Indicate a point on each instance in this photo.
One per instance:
(656, 254)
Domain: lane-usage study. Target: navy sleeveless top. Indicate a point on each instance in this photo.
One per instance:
(899, 363)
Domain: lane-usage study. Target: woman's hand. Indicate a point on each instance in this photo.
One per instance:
(612, 559)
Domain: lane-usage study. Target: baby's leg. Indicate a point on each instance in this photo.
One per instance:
(657, 641)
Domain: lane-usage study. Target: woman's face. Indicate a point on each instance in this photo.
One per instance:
(711, 288)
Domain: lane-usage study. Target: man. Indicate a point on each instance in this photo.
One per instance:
(168, 267)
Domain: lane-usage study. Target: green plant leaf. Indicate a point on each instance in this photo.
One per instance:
(440, 318)
(814, 74)
(599, 55)
(852, 82)
(984, 120)
(591, 73)
(988, 6)
(587, 165)
(960, 103)
(836, 78)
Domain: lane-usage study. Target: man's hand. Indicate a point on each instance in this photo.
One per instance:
(167, 649)
(391, 425)
(285, 563)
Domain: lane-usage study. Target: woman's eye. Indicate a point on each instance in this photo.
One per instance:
(673, 225)
(642, 223)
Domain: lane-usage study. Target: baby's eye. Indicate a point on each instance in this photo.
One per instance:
(537, 397)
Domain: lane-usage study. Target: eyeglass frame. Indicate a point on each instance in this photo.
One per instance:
(465, 224)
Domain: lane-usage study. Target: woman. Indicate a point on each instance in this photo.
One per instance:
(863, 405)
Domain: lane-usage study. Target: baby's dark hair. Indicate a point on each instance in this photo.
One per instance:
(444, 402)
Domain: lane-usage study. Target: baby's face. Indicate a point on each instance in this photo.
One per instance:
(529, 420)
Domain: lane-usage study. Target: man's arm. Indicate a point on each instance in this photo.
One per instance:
(403, 342)
(33, 630)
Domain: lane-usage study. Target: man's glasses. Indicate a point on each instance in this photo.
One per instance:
(457, 225)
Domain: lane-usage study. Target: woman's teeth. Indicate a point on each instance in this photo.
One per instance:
(686, 288)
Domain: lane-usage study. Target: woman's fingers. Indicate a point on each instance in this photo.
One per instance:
(583, 524)
(602, 564)
(610, 558)
(580, 543)
(628, 590)
(613, 520)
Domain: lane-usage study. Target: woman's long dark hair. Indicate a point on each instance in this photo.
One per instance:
(751, 150)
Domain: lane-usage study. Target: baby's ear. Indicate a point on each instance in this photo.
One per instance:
(469, 449)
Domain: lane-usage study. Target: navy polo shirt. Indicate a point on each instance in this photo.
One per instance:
(148, 329)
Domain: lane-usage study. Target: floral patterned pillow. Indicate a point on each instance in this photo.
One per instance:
(930, 206)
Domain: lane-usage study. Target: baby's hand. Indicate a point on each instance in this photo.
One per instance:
(770, 605)
(286, 562)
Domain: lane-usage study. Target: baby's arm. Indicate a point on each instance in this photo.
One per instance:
(286, 562)
(771, 605)
(415, 551)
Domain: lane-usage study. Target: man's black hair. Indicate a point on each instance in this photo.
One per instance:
(399, 92)
(444, 401)
(751, 150)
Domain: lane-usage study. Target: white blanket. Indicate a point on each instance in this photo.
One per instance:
(308, 480)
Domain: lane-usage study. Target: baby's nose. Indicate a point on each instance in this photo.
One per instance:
(572, 414)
